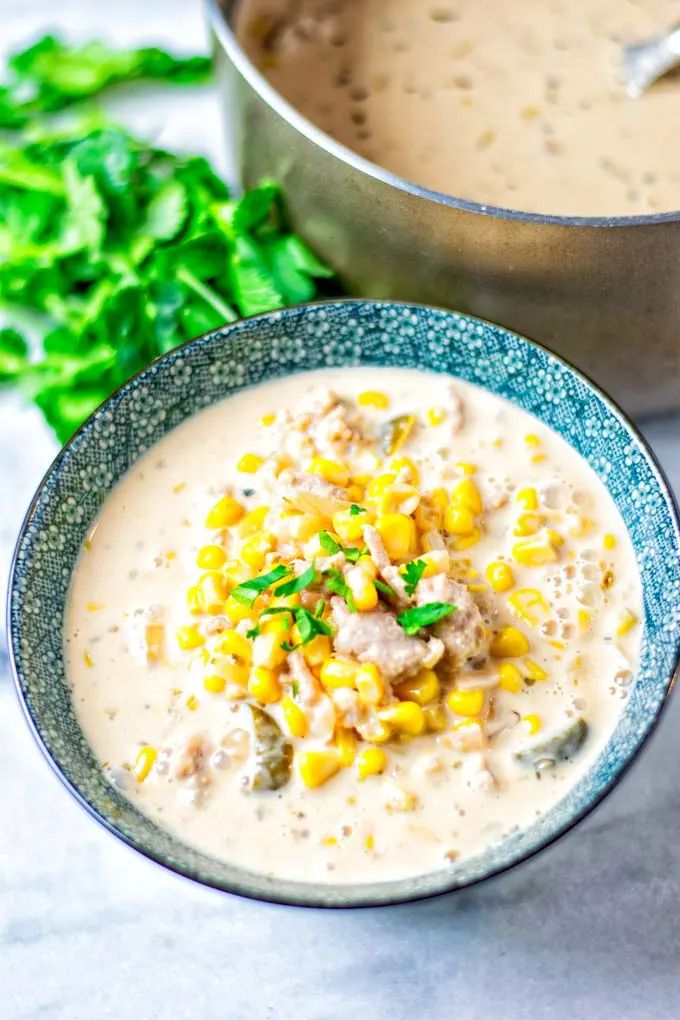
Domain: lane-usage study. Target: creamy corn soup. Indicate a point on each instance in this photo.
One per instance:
(520, 105)
(353, 625)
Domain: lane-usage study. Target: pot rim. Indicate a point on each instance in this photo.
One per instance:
(221, 27)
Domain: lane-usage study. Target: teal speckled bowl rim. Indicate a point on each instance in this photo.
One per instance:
(489, 351)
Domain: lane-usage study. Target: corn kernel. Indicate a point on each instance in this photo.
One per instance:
(364, 592)
(435, 718)
(528, 499)
(556, 539)
(369, 842)
(253, 522)
(144, 762)
(406, 717)
(264, 685)
(371, 762)
(509, 643)
(249, 464)
(348, 527)
(236, 612)
(211, 557)
(192, 702)
(535, 552)
(528, 524)
(531, 723)
(510, 677)
(465, 468)
(406, 465)
(467, 703)
(529, 605)
(296, 719)
(459, 520)
(304, 527)
(267, 651)
(253, 550)
(339, 673)
(224, 514)
(398, 533)
(368, 566)
(500, 576)
(376, 488)
(267, 419)
(532, 440)
(330, 470)
(584, 619)
(214, 683)
(423, 688)
(317, 650)
(317, 767)
(371, 398)
(369, 684)
(87, 659)
(538, 458)
(582, 528)
(609, 542)
(234, 644)
(356, 493)
(346, 745)
(627, 621)
(607, 580)
(400, 498)
(93, 607)
(236, 572)
(435, 415)
(380, 733)
(463, 542)
(189, 637)
(467, 493)
(533, 671)
(194, 603)
(212, 589)
(437, 561)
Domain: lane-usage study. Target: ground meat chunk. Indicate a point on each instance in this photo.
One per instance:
(194, 758)
(462, 632)
(377, 637)
(309, 690)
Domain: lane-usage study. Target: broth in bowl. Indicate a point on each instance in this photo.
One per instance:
(354, 625)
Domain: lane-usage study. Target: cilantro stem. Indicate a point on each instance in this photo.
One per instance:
(207, 293)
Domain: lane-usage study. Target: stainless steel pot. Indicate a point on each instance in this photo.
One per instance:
(604, 293)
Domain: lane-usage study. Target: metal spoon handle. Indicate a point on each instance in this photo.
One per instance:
(645, 62)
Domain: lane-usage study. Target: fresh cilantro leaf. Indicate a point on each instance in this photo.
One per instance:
(328, 543)
(253, 632)
(352, 554)
(310, 626)
(336, 583)
(248, 592)
(13, 355)
(297, 584)
(295, 688)
(384, 588)
(319, 607)
(423, 616)
(288, 647)
(255, 290)
(167, 211)
(412, 574)
(355, 510)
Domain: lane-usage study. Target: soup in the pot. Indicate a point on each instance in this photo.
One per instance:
(520, 105)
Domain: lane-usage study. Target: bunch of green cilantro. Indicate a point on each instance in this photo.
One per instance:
(123, 250)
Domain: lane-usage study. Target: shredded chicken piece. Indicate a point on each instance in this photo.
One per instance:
(476, 772)
(193, 760)
(377, 637)
(349, 707)
(463, 632)
(389, 573)
(456, 409)
(309, 689)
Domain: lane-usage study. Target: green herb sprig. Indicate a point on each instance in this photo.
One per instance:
(415, 619)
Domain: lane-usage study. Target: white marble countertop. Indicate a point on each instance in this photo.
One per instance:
(91, 931)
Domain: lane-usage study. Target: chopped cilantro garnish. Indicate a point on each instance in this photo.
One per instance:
(384, 588)
(355, 510)
(287, 647)
(247, 592)
(253, 632)
(328, 543)
(310, 626)
(295, 688)
(319, 608)
(336, 583)
(297, 584)
(412, 573)
(422, 616)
